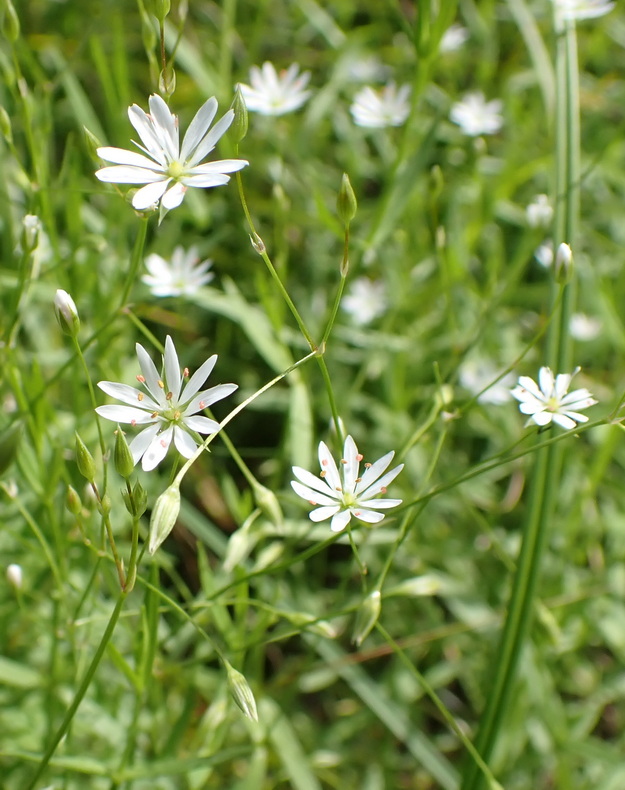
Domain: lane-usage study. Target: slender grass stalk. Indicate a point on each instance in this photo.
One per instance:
(548, 463)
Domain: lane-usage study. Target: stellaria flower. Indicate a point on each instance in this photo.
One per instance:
(273, 93)
(180, 276)
(476, 116)
(168, 168)
(539, 212)
(169, 410)
(366, 300)
(344, 494)
(544, 254)
(548, 400)
(378, 109)
(584, 327)
(583, 9)
(477, 374)
(453, 38)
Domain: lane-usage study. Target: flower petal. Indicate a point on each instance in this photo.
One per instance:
(121, 156)
(206, 398)
(328, 468)
(312, 496)
(201, 424)
(198, 127)
(125, 174)
(125, 414)
(198, 378)
(206, 145)
(350, 465)
(172, 370)
(151, 375)
(369, 516)
(374, 471)
(185, 444)
(129, 395)
(149, 195)
(316, 483)
(174, 196)
(165, 125)
(322, 513)
(340, 520)
(157, 449)
(379, 487)
(142, 441)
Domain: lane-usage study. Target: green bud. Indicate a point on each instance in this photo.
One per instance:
(92, 143)
(366, 617)
(268, 503)
(84, 460)
(238, 128)
(346, 204)
(105, 505)
(167, 81)
(11, 22)
(564, 264)
(241, 692)
(72, 501)
(31, 225)
(66, 313)
(9, 440)
(136, 504)
(5, 125)
(124, 462)
(164, 516)
(160, 8)
(257, 243)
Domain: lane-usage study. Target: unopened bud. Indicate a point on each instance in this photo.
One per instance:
(66, 313)
(11, 22)
(136, 504)
(72, 501)
(564, 264)
(124, 462)
(105, 505)
(257, 243)
(160, 8)
(31, 229)
(346, 204)
(84, 460)
(92, 142)
(164, 516)
(238, 128)
(268, 503)
(241, 692)
(14, 575)
(367, 617)
(167, 81)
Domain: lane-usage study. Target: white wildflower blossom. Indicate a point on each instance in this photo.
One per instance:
(550, 401)
(167, 168)
(366, 300)
(476, 376)
(544, 254)
(539, 212)
(169, 410)
(344, 494)
(475, 116)
(577, 10)
(389, 106)
(584, 327)
(273, 93)
(182, 275)
(453, 38)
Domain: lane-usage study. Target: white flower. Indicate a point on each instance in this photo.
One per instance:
(477, 374)
(15, 576)
(539, 212)
(377, 109)
(366, 300)
(275, 94)
(167, 408)
(548, 401)
(168, 168)
(181, 276)
(583, 327)
(66, 313)
(544, 254)
(345, 494)
(583, 9)
(475, 116)
(453, 38)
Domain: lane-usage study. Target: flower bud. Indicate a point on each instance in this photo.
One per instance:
(124, 462)
(10, 22)
(167, 81)
(268, 503)
(164, 516)
(84, 460)
(564, 264)
(346, 204)
(92, 143)
(367, 617)
(31, 230)
(257, 243)
(14, 575)
(72, 501)
(105, 505)
(66, 313)
(136, 504)
(238, 128)
(241, 692)
(160, 8)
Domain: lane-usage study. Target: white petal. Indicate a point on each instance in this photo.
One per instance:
(374, 471)
(124, 414)
(120, 156)
(157, 449)
(340, 520)
(185, 444)
(350, 464)
(129, 395)
(369, 516)
(316, 483)
(174, 196)
(219, 166)
(546, 381)
(380, 504)
(198, 127)
(124, 174)
(151, 376)
(145, 128)
(208, 143)
(143, 440)
(198, 378)
(201, 424)
(542, 418)
(314, 497)
(165, 123)
(328, 466)
(172, 370)
(566, 422)
(322, 513)
(205, 399)
(380, 486)
(205, 182)
(149, 195)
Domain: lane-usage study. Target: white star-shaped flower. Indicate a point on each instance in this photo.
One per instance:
(273, 93)
(168, 169)
(548, 400)
(344, 494)
(378, 109)
(583, 9)
(366, 300)
(476, 116)
(169, 409)
(180, 276)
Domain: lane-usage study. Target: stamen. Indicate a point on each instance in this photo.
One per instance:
(343, 461)
(185, 373)
(359, 479)
(161, 384)
(359, 457)
(323, 473)
(133, 423)
(367, 465)
(324, 462)
(163, 443)
(141, 378)
(177, 415)
(383, 490)
(310, 502)
(169, 396)
(154, 415)
(140, 396)
(202, 404)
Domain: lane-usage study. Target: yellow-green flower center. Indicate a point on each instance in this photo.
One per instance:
(175, 169)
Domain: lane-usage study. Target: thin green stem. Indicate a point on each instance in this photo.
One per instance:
(136, 260)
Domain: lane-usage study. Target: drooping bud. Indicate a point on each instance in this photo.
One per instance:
(241, 692)
(164, 516)
(66, 313)
(124, 462)
(564, 264)
(346, 204)
(84, 460)
(238, 128)
(72, 501)
(367, 616)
